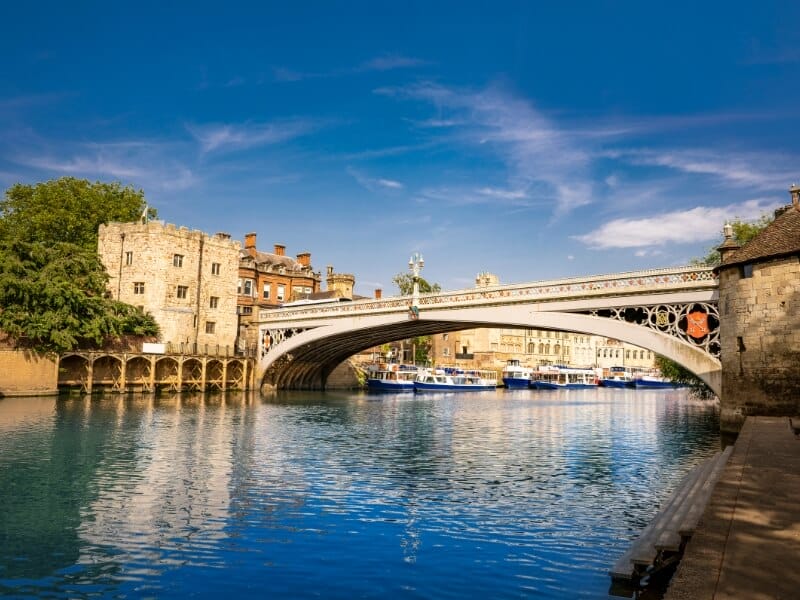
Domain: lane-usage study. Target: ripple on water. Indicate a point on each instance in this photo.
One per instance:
(497, 494)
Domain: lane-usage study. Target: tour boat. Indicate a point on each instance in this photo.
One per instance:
(391, 378)
(618, 377)
(515, 376)
(454, 380)
(557, 377)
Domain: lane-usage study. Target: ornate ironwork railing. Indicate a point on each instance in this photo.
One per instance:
(638, 282)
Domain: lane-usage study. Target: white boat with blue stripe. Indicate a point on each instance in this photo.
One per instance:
(515, 376)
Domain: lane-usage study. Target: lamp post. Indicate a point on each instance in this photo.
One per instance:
(415, 264)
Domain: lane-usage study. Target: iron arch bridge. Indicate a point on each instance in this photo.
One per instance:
(672, 312)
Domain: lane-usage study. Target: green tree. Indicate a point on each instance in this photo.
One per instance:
(405, 283)
(67, 210)
(52, 283)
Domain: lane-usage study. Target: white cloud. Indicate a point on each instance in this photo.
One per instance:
(374, 183)
(220, 137)
(502, 194)
(699, 224)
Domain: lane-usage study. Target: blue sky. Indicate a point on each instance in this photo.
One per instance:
(533, 140)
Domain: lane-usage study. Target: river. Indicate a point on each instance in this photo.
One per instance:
(504, 494)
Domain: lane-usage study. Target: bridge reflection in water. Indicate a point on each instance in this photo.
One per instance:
(298, 495)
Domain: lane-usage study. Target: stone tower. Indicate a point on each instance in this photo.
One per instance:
(340, 283)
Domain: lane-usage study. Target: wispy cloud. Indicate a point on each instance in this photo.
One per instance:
(742, 170)
(699, 224)
(225, 137)
(388, 62)
(542, 160)
(466, 196)
(374, 183)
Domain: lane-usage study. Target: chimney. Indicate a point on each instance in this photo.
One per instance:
(280, 249)
(378, 294)
(250, 243)
(795, 192)
(304, 258)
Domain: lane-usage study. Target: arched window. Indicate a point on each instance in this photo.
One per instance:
(541, 348)
(547, 349)
(557, 349)
(531, 348)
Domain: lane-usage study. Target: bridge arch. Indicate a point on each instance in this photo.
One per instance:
(305, 359)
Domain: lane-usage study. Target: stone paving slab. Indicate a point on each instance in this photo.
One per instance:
(747, 545)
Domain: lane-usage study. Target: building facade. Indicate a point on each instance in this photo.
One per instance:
(185, 279)
(759, 295)
(268, 280)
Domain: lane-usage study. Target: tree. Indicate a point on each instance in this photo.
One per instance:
(52, 283)
(743, 232)
(405, 283)
(67, 210)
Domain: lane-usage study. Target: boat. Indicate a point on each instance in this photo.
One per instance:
(391, 377)
(454, 380)
(653, 382)
(618, 377)
(560, 377)
(515, 376)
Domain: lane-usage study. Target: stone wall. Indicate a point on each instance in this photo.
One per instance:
(760, 341)
(24, 373)
(140, 260)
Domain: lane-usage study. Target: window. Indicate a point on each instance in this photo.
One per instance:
(213, 302)
(627, 353)
(281, 293)
(245, 287)
(210, 325)
(129, 258)
(183, 291)
(215, 268)
(138, 287)
(265, 292)
(531, 348)
(445, 351)
(244, 310)
(177, 260)
(747, 271)
(444, 336)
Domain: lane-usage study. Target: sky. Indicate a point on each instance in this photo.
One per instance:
(532, 140)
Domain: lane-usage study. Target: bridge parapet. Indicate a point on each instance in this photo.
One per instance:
(619, 284)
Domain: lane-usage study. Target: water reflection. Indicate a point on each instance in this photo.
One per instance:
(497, 494)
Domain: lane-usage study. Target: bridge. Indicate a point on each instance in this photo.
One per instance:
(672, 312)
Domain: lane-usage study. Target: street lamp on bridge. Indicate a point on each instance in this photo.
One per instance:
(415, 264)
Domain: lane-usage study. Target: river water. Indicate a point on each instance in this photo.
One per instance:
(505, 494)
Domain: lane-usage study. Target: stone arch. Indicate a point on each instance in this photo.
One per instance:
(73, 372)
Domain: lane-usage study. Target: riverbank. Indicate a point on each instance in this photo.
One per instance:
(748, 543)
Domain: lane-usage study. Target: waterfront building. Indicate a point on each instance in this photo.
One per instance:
(759, 292)
(186, 279)
(268, 280)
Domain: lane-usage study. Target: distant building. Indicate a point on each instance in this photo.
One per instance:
(759, 294)
(185, 279)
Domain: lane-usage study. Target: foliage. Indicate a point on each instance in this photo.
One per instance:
(52, 283)
(67, 210)
(405, 283)
(672, 370)
(52, 298)
(743, 232)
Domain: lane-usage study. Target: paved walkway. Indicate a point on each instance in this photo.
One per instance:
(748, 543)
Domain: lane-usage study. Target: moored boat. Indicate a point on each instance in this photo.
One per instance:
(558, 377)
(653, 382)
(391, 378)
(515, 376)
(454, 380)
(618, 377)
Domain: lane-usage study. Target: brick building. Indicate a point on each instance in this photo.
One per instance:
(185, 279)
(759, 294)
